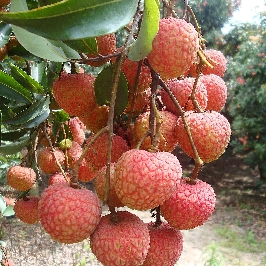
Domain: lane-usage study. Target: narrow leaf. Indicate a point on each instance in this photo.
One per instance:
(148, 30)
(37, 120)
(2, 204)
(5, 30)
(12, 90)
(13, 135)
(71, 19)
(87, 46)
(14, 147)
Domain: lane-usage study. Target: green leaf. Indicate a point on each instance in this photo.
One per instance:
(9, 211)
(148, 30)
(35, 110)
(87, 46)
(14, 147)
(2, 204)
(71, 19)
(5, 30)
(61, 116)
(25, 80)
(13, 134)
(12, 90)
(37, 120)
(103, 88)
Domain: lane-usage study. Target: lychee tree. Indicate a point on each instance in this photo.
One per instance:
(60, 80)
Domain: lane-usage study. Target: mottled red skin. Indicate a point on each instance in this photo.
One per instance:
(168, 140)
(73, 154)
(85, 173)
(174, 49)
(144, 180)
(190, 206)
(21, 178)
(77, 129)
(75, 93)
(182, 90)
(210, 132)
(100, 182)
(96, 157)
(217, 92)
(58, 178)
(46, 160)
(166, 245)
(123, 243)
(27, 209)
(67, 214)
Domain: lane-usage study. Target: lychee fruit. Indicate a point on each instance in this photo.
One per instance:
(73, 154)
(75, 93)
(210, 132)
(21, 178)
(58, 178)
(217, 91)
(7, 262)
(190, 206)
(167, 141)
(85, 173)
(96, 156)
(122, 242)
(174, 48)
(166, 245)
(47, 162)
(26, 209)
(77, 129)
(182, 90)
(69, 215)
(144, 180)
(100, 183)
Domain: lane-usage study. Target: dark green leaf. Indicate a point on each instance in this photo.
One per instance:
(37, 120)
(25, 80)
(13, 135)
(103, 88)
(71, 19)
(14, 147)
(148, 30)
(61, 116)
(87, 46)
(12, 90)
(5, 30)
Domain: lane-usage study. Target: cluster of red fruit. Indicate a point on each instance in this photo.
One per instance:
(144, 174)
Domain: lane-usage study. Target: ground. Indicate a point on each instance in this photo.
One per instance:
(234, 235)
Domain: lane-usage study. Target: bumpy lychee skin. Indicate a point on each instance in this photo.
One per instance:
(174, 48)
(85, 173)
(96, 156)
(182, 90)
(73, 154)
(77, 129)
(75, 93)
(46, 160)
(168, 140)
(67, 214)
(100, 182)
(26, 209)
(210, 132)
(125, 242)
(166, 245)
(190, 206)
(58, 178)
(144, 180)
(21, 178)
(217, 91)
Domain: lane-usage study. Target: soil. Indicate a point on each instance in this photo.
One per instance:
(240, 209)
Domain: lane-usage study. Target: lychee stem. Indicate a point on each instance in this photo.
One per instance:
(192, 95)
(158, 221)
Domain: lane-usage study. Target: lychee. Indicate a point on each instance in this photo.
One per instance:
(58, 178)
(100, 183)
(47, 162)
(77, 129)
(210, 132)
(7, 262)
(26, 209)
(174, 48)
(69, 215)
(144, 180)
(217, 91)
(75, 93)
(182, 90)
(122, 242)
(21, 178)
(73, 154)
(190, 206)
(166, 245)
(85, 173)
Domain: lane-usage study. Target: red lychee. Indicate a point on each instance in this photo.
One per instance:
(26, 209)
(73, 154)
(182, 90)
(167, 141)
(210, 132)
(67, 214)
(46, 160)
(58, 178)
(166, 245)
(100, 182)
(85, 173)
(217, 91)
(96, 157)
(75, 93)
(174, 48)
(122, 242)
(21, 178)
(190, 206)
(77, 129)
(144, 180)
